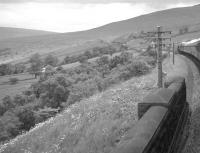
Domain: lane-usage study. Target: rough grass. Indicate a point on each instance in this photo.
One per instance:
(94, 125)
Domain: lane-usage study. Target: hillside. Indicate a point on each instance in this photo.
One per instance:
(7, 33)
(96, 102)
(67, 43)
(97, 124)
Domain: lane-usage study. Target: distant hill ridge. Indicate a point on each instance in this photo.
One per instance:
(7, 32)
(172, 19)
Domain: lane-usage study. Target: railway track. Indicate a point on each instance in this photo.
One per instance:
(192, 58)
(192, 146)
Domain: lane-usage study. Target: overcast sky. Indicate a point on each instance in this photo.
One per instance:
(75, 15)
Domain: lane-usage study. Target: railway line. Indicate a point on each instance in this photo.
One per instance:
(195, 60)
(163, 116)
(192, 53)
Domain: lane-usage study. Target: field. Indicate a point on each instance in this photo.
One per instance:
(22, 50)
(25, 80)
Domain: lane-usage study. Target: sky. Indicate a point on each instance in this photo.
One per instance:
(77, 15)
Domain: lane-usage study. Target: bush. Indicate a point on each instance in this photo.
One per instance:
(135, 68)
(149, 60)
(19, 100)
(9, 126)
(36, 64)
(150, 52)
(26, 116)
(82, 90)
(6, 104)
(51, 60)
(6, 69)
(13, 80)
(122, 59)
(138, 68)
(44, 113)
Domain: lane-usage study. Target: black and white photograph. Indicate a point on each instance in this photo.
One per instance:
(99, 76)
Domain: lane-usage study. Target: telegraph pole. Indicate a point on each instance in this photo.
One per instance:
(173, 52)
(159, 57)
(159, 45)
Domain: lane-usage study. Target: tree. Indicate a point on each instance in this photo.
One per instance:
(50, 70)
(19, 100)
(36, 64)
(7, 104)
(88, 54)
(60, 95)
(26, 116)
(6, 69)
(67, 60)
(64, 81)
(125, 57)
(53, 92)
(96, 51)
(83, 59)
(19, 68)
(36, 89)
(51, 60)
(103, 65)
(82, 90)
(103, 60)
(9, 126)
(114, 62)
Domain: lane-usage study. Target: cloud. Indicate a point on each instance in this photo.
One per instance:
(73, 15)
(157, 4)
(153, 2)
(66, 17)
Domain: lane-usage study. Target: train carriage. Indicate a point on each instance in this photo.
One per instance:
(191, 47)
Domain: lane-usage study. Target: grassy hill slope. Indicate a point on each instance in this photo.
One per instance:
(7, 32)
(97, 124)
(172, 19)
